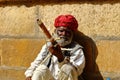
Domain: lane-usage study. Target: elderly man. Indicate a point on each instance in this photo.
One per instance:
(57, 67)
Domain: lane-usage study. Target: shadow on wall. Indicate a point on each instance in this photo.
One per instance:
(91, 71)
(30, 3)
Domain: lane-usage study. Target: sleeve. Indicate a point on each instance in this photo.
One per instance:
(37, 61)
(78, 60)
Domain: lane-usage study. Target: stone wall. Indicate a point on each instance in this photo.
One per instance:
(21, 38)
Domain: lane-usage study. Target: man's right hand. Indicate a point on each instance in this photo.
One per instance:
(28, 78)
(56, 51)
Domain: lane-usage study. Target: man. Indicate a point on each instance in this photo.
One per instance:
(66, 64)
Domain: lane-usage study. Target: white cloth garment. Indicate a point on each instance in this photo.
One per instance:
(56, 69)
(68, 72)
(42, 73)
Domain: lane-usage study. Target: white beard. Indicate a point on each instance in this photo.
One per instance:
(63, 40)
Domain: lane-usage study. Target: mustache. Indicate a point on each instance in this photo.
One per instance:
(64, 37)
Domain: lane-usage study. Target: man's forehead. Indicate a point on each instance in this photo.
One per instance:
(62, 28)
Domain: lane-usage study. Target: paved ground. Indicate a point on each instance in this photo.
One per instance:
(118, 78)
(113, 76)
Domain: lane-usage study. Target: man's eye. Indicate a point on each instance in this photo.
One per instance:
(60, 30)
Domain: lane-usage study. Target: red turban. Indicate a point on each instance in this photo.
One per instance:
(68, 21)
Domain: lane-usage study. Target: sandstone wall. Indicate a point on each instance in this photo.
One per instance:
(21, 39)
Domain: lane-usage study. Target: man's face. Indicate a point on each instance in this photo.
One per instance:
(65, 36)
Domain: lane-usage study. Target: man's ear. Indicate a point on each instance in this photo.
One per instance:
(55, 30)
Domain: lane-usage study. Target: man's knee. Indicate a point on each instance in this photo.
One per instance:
(68, 68)
(42, 72)
(69, 72)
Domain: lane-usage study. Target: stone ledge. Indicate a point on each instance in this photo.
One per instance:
(3, 67)
(0, 51)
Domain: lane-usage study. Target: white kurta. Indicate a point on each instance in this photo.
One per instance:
(77, 59)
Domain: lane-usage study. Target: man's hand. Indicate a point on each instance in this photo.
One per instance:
(66, 60)
(28, 78)
(56, 51)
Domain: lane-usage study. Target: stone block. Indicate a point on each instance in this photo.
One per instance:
(108, 56)
(20, 52)
(18, 21)
(102, 20)
(93, 19)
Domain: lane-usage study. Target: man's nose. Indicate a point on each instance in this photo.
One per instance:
(63, 33)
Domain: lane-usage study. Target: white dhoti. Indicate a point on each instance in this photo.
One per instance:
(42, 73)
(68, 72)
